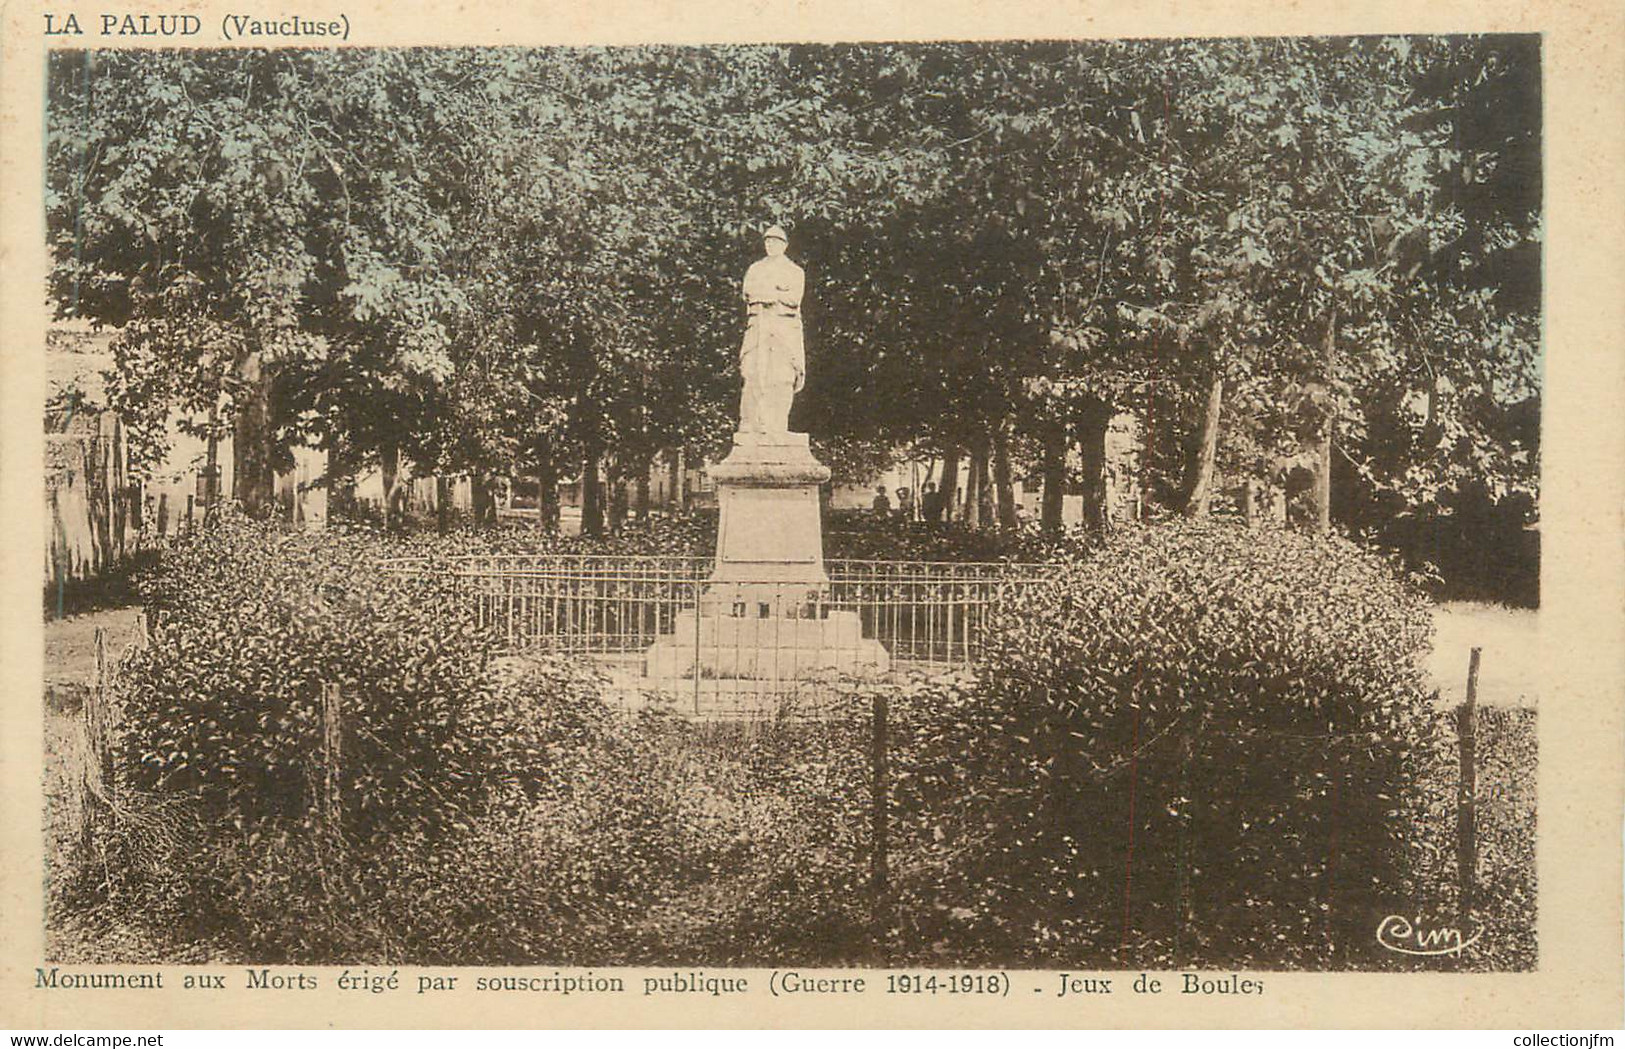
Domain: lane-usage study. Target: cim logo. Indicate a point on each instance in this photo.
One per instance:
(1402, 935)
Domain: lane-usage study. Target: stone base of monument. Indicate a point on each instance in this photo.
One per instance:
(768, 529)
(760, 618)
(771, 648)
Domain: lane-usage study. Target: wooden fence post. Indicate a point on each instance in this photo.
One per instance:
(332, 757)
(97, 795)
(878, 859)
(104, 706)
(1467, 791)
(1184, 847)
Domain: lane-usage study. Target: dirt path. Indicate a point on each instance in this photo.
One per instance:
(70, 644)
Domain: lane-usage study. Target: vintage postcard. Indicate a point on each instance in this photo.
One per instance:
(812, 515)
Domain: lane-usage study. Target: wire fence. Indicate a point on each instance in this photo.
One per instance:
(662, 628)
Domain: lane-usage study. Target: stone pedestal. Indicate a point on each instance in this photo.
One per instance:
(768, 527)
(762, 616)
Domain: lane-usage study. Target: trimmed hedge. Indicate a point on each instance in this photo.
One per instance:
(221, 762)
(1199, 743)
(251, 624)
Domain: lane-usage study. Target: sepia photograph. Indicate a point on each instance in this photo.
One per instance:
(666, 516)
(1002, 505)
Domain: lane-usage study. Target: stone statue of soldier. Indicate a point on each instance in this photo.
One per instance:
(773, 358)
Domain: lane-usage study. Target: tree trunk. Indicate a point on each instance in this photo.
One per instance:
(1323, 470)
(1001, 479)
(389, 466)
(97, 485)
(211, 469)
(484, 499)
(618, 505)
(442, 503)
(973, 485)
(341, 491)
(644, 466)
(547, 496)
(984, 490)
(1093, 421)
(340, 478)
(674, 495)
(1323, 480)
(592, 497)
(1054, 472)
(1207, 450)
(949, 484)
(253, 469)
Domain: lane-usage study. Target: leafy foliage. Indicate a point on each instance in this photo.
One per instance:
(1196, 744)
(856, 535)
(864, 536)
(225, 704)
(507, 261)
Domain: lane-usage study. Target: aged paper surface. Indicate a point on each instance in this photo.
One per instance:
(1577, 983)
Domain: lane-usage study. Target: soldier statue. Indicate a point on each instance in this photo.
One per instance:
(772, 359)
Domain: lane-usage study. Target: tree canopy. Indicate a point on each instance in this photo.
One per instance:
(503, 261)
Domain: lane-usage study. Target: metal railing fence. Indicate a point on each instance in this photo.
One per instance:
(920, 610)
(659, 623)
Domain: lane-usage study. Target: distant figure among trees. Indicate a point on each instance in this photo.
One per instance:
(882, 502)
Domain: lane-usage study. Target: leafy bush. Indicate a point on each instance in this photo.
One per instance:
(662, 840)
(1507, 764)
(252, 623)
(791, 799)
(494, 811)
(221, 744)
(867, 536)
(689, 534)
(850, 535)
(113, 588)
(1197, 743)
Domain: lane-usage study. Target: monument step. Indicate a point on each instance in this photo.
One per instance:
(840, 629)
(672, 659)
